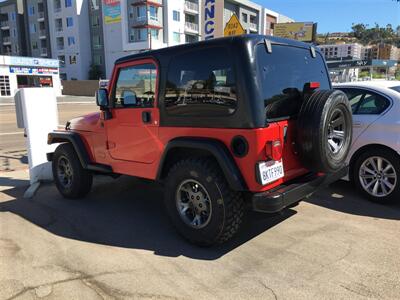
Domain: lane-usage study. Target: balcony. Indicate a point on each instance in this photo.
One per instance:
(191, 27)
(41, 16)
(57, 9)
(191, 7)
(6, 40)
(147, 20)
(253, 27)
(4, 25)
(59, 29)
(43, 52)
(60, 47)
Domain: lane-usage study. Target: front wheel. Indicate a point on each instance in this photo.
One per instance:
(71, 179)
(200, 203)
(376, 175)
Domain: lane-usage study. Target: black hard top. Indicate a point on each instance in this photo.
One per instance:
(245, 39)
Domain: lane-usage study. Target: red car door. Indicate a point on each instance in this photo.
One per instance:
(132, 132)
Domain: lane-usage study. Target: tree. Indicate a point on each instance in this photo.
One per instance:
(95, 72)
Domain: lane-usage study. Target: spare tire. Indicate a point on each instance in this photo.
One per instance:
(324, 131)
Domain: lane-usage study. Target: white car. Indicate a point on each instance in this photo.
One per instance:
(374, 157)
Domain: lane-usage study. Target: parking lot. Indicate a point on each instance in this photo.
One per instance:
(118, 243)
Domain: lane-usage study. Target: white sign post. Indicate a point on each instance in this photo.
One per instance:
(36, 110)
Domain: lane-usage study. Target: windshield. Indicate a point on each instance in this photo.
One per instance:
(283, 74)
(396, 88)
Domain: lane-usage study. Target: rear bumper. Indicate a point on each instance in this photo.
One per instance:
(284, 195)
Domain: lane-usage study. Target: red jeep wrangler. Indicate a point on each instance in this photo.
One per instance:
(219, 123)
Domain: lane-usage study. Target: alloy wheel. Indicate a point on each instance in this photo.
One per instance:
(193, 204)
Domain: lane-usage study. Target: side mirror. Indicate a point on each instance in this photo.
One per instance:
(102, 97)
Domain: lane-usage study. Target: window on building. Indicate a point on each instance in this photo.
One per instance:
(153, 13)
(203, 87)
(131, 35)
(34, 45)
(12, 16)
(70, 22)
(32, 28)
(136, 86)
(61, 60)
(72, 59)
(68, 3)
(141, 13)
(142, 34)
(176, 37)
(131, 12)
(31, 10)
(97, 59)
(71, 40)
(176, 16)
(5, 89)
(14, 32)
(95, 21)
(244, 17)
(154, 34)
(96, 41)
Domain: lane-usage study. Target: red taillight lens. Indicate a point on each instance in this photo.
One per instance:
(273, 150)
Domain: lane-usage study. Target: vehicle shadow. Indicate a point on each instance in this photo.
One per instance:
(125, 212)
(342, 196)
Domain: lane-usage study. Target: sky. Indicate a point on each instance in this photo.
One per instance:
(338, 15)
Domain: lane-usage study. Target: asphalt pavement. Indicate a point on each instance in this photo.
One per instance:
(117, 243)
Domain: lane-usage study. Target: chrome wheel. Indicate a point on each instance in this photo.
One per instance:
(64, 172)
(193, 204)
(336, 131)
(377, 176)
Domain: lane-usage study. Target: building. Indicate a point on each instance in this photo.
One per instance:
(342, 51)
(12, 28)
(70, 37)
(19, 72)
(37, 27)
(97, 36)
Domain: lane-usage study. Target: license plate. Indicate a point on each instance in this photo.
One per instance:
(270, 171)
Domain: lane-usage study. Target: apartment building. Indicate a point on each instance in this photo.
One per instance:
(342, 51)
(37, 28)
(12, 28)
(70, 37)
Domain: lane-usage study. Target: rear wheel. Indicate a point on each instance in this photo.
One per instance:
(200, 203)
(376, 175)
(71, 179)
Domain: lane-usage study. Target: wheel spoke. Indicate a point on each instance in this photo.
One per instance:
(388, 184)
(337, 122)
(370, 183)
(379, 163)
(184, 207)
(366, 169)
(387, 168)
(373, 164)
(367, 176)
(333, 145)
(383, 187)
(196, 221)
(375, 189)
(338, 134)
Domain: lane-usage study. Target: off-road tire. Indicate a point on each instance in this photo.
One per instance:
(82, 179)
(227, 205)
(313, 127)
(394, 159)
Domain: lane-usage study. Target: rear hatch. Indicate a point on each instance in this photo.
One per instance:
(285, 74)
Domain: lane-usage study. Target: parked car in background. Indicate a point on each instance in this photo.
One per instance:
(374, 158)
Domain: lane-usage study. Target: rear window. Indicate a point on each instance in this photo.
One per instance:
(396, 88)
(283, 74)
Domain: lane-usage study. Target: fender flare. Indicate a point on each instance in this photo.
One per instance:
(217, 149)
(76, 141)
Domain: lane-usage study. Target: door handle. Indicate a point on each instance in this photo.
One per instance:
(146, 116)
(357, 124)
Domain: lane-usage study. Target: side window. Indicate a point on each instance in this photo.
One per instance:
(355, 96)
(201, 83)
(136, 86)
(372, 104)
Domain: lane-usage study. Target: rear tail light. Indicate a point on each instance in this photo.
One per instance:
(273, 150)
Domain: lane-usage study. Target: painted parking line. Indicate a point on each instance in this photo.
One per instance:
(11, 133)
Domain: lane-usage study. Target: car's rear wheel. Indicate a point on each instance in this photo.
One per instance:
(376, 175)
(324, 131)
(200, 203)
(71, 179)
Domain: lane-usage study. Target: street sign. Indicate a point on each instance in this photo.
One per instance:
(301, 31)
(233, 27)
